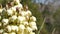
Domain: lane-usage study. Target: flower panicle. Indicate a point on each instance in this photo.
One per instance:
(17, 19)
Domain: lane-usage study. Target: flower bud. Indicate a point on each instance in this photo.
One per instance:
(9, 12)
(14, 28)
(21, 18)
(21, 27)
(9, 28)
(14, 17)
(5, 21)
(25, 23)
(28, 13)
(34, 27)
(33, 18)
(13, 8)
(23, 13)
(29, 29)
(32, 23)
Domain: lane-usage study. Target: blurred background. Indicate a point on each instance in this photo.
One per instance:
(47, 13)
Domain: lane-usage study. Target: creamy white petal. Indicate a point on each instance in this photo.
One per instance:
(32, 23)
(34, 27)
(23, 13)
(5, 21)
(10, 11)
(33, 18)
(14, 17)
(21, 27)
(21, 18)
(9, 28)
(29, 29)
(14, 28)
(20, 6)
(28, 13)
(25, 23)
(13, 8)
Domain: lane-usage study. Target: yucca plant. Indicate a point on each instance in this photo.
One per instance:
(16, 19)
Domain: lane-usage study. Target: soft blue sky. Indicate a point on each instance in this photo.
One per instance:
(42, 1)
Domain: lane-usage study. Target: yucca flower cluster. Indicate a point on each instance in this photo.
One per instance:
(17, 19)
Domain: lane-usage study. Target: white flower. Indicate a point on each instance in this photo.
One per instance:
(10, 11)
(32, 23)
(14, 8)
(25, 23)
(1, 30)
(33, 18)
(9, 28)
(14, 28)
(23, 13)
(5, 21)
(5, 33)
(21, 18)
(34, 27)
(29, 29)
(1, 10)
(21, 27)
(12, 33)
(28, 13)
(31, 33)
(20, 5)
(14, 17)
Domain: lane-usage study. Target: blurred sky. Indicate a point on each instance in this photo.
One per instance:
(42, 1)
(56, 4)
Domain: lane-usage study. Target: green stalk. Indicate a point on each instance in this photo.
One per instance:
(41, 26)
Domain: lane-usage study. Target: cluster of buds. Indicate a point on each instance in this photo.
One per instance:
(17, 19)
